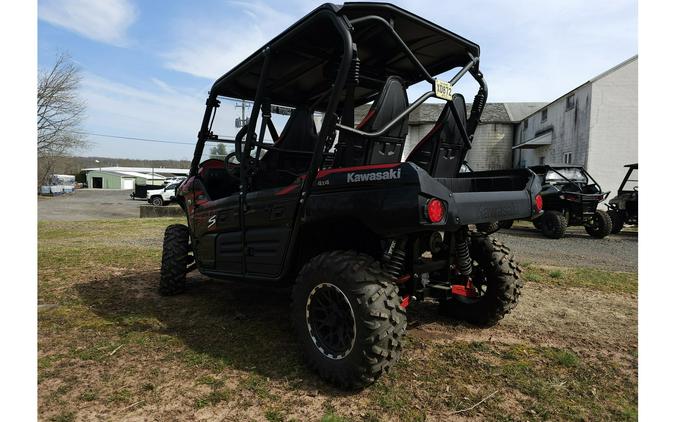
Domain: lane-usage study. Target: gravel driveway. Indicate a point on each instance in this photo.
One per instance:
(616, 252)
(88, 204)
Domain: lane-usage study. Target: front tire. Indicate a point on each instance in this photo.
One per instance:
(348, 318)
(600, 225)
(617, 221)
(157, 201)
(175, 260)
(553, 224)
(498, 278)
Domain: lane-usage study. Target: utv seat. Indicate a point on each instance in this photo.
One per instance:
(356, 150)
(441, 152)
(295, 145)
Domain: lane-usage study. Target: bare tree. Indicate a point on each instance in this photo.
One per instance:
(59, 113)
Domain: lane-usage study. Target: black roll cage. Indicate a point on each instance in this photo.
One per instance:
(577, 184)
(344, 27)
(631, 169)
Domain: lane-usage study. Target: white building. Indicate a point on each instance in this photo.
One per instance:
(594, 125)
(127, 177)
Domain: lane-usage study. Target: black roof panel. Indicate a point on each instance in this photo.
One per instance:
(305, 55)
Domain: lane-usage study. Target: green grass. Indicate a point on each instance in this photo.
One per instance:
(551, 383)
(231, 347)
(212, 398)
(590, 278)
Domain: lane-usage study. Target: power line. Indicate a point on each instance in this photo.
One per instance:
(131, 138)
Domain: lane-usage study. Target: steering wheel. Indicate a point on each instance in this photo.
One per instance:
(231, 168)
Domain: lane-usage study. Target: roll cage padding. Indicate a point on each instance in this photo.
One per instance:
(442, 151)
(355, 150)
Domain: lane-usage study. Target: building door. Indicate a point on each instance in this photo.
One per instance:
(127, 183)
(97, 182)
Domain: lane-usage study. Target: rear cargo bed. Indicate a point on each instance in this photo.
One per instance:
(489, 196)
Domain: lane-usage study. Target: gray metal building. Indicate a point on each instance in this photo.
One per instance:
(594, 125)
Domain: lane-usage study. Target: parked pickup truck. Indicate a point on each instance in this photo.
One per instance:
(163, 196)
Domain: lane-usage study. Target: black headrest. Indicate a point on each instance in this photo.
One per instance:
(452, 131)
(390, 102)
(299, 132)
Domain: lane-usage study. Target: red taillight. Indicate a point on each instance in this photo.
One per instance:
(435, 210)
(538, 203)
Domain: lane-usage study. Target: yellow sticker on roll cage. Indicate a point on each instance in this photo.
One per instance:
(443, 90)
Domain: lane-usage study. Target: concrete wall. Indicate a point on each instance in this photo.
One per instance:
(614, 125)
(570, 131)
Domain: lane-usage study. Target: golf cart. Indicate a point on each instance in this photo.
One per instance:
(623, 208)
(571, 197)
(334, 213)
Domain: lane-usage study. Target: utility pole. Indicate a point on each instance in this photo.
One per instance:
(243, 121)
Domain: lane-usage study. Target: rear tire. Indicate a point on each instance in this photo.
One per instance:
(487, 228)
(506, 224)
(175, 260)
(553, 224)
(503, 281)
(600, 226)
(617, 221)
(353, 287)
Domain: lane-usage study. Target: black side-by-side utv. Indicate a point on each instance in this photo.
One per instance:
(336, 213)
(571, 197)
(623, 208)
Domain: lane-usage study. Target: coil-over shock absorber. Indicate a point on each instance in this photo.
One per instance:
(464, 264)
(394, 260)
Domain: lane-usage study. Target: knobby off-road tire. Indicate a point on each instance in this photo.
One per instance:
(505, 224)
(617, 221)
(175, 260)
(357, 284)
(553, 224)
(487, 228)
(537, 223)
(503, 282)
(600, 226)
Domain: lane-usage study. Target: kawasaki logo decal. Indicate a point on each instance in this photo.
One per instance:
(373, 177)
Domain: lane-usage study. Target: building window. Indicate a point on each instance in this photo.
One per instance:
(567, 158)
(525, 123)
(544, 115)
(570, 102)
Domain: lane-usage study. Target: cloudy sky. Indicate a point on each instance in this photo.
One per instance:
(147, 66)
